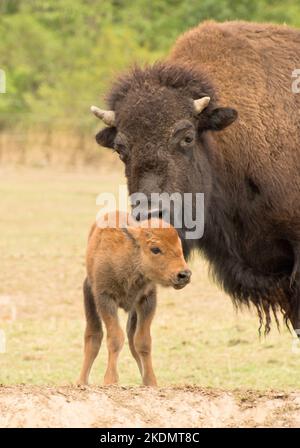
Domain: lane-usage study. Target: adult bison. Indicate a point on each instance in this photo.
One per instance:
(171, 124)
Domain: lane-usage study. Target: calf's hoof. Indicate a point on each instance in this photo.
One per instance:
(81, 383)
(110, 380)
(150, 382)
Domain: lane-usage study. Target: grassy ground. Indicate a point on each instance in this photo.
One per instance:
(198, 338)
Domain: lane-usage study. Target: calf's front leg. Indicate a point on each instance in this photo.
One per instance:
(115, 338)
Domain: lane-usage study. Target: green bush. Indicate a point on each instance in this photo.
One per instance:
(60, 55)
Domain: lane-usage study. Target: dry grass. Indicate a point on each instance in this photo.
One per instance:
(38, 147)
(198, 338)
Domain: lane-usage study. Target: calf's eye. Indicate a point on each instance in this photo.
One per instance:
(155, 250)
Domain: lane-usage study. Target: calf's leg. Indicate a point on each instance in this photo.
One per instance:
(93, 334)
(131, 329)
(115, 337)
(145, 310)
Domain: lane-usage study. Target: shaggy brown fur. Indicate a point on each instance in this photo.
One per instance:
(123, 267)
(250, 172)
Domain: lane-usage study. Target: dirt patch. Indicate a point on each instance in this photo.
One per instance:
(26, 406)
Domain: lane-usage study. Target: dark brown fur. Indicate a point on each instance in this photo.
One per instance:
(249, 172)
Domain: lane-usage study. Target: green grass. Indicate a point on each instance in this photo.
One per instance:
(197, 336)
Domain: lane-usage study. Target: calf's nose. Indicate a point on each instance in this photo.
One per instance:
(184, 276)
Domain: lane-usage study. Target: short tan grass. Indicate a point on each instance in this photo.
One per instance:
(198, 338)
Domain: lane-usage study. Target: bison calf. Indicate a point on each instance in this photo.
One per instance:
(123, 267)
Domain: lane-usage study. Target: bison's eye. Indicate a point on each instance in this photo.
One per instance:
(183, 137)
(155, 250)
(121, 148)
(188, 140)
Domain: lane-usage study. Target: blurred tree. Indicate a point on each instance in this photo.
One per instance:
(59, 55)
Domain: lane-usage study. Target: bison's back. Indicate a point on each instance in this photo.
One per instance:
(251, 67)
(245, 60)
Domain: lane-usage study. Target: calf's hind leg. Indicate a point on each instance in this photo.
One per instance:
(142, 339)
(93, 334)
(115, 337)
(131, 329)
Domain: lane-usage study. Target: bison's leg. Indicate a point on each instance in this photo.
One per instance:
(93, 334)
(115, 337)
(131, 328)
(142, 338)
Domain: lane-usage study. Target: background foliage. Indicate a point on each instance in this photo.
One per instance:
(59, 55)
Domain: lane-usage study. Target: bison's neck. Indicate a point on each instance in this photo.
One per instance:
(246, 259)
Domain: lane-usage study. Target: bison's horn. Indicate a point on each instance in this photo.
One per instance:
(201, 104)
(108, 116)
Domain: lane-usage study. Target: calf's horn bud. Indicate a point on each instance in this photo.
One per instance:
(201, 104)
(107, 116)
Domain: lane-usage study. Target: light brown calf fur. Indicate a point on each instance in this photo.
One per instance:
(122, 271)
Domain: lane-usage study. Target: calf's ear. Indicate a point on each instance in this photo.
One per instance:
(218, 119)
(134, 232)
(106, 137)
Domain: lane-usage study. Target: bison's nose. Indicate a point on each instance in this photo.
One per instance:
(152, 213)
(143, 214)
(155, 213)
(184, 276)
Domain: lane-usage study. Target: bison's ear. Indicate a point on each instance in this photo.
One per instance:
(106, 137)
(219, 119)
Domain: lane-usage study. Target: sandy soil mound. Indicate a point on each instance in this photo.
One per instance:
(26, 406)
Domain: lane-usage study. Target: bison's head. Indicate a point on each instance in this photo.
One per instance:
(158, 120)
